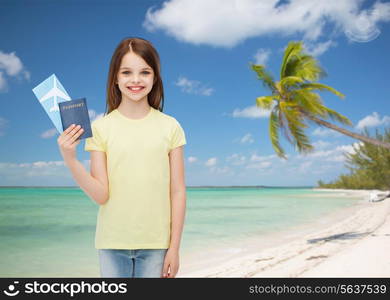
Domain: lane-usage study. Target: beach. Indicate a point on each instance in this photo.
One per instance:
(352, 242)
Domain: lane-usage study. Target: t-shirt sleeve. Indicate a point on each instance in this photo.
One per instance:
(96, 142)
(178, 137)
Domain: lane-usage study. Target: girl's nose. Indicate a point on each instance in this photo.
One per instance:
(135, 79)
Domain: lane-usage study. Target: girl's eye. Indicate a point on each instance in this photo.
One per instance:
(144, 72)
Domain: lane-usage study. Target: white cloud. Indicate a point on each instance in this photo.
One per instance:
(338, 158)
(224, 170)
(319, 153)
(252, 112)
(247, 139)
(349, 148)
(11, 65)
(305, 166)
(335, 154)
(193, 87)
(38, 169)
(259, 165)
(192, 159)
(226, 23)
(262, 162)
(93, 115)
(42, 164)
(372, 120)
(261, 56)
(236, 159)
(211, 162)
(317, 49)
(320, 144)
(49, 133)
(323, 132)
(298, 168)
(255, 157)
(3, 82)
(3, 125)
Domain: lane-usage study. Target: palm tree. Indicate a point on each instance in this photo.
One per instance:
(294, 100)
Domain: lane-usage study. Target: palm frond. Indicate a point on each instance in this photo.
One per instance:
(292, 50)
(274, 134)
(264, 76)
(334, 115)
(321, 87)
(284, 126)
(290, 81)
(296, 126)
(306, 67)
(309, 102)
(265, 102)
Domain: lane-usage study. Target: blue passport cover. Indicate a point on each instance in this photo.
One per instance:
(76, 112)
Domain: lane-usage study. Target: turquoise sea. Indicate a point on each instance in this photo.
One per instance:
(50, 231)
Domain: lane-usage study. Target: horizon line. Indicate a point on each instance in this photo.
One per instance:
(193, 186)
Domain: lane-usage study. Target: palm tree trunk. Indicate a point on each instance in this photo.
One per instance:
(346, 132)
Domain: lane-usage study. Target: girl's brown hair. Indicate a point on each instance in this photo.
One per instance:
(146, 50)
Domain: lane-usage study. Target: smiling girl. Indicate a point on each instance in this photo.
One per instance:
(137, 169)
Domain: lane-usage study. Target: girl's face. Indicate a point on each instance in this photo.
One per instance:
(135, 78)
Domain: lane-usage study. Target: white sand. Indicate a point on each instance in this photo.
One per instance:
(356, 245)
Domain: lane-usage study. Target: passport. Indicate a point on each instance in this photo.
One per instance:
(76, 112)
(50, 93)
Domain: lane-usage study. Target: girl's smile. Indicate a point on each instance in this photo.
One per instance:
(135, 89)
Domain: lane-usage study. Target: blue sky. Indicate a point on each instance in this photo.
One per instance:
(205, 49)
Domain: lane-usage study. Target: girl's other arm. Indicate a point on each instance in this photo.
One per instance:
(178, 195)
(95, 185)
(178, 208)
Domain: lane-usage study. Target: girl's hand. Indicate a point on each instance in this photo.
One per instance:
(67, 141)
(171, 263)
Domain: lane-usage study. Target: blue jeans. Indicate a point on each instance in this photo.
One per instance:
(131, 263)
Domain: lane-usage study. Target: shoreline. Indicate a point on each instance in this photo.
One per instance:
(294, 254)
